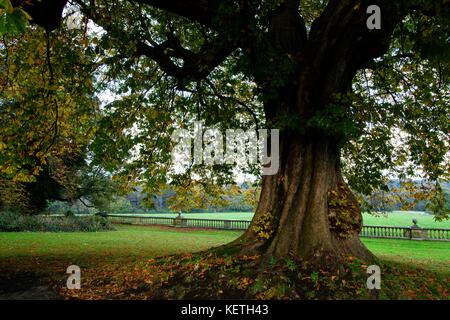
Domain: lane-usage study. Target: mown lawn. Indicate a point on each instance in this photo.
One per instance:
(396, 218)
(135, 243)
(128, 243)
(116, 263)
(430, 255)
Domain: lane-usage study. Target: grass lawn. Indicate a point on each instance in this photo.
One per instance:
(134, 243)
(115, 262)
(395, 218)
(430, 255)
(128, 243)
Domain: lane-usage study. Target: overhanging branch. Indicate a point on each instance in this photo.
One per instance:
(193, 66)
(340, 42)
(202, 11)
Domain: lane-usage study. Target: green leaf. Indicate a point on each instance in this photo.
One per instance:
(15, 22)
(3, 23)
(6, 5)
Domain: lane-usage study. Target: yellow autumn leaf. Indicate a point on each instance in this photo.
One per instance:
(8, 170)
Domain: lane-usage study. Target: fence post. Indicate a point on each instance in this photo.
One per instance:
(417, 232)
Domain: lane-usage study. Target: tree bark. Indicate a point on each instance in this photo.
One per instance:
(307, 210)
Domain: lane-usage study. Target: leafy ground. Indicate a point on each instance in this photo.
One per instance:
(120, 264)
(396, 218)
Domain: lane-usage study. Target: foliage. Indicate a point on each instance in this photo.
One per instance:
(264, 225)
(48, 114)
(47, 111)
(440, 204)
(13, 196)
(45, 152)
(400, 104)
(93, 187)
(407, 195)
(201, 196)
(343, 212)
(252, 195)
(13, 20)
(14, 222)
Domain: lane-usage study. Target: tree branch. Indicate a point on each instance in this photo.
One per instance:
(47, 14)
(195, 66)
(340, 42)
(84, 203)
(202, 11)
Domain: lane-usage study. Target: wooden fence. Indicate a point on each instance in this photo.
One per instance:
(412, 233)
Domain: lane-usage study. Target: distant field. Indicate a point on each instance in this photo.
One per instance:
(404, 219)
(396, 218)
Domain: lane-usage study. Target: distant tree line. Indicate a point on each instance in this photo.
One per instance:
(96, 192)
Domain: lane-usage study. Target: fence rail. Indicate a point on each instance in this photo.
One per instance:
(183, 222)
(411, 233)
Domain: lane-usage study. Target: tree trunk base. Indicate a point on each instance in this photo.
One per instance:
(345, 249)
(306, 212)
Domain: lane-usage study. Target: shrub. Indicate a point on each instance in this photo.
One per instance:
(11, 221)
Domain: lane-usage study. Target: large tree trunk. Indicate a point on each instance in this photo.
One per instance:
(306, 210)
